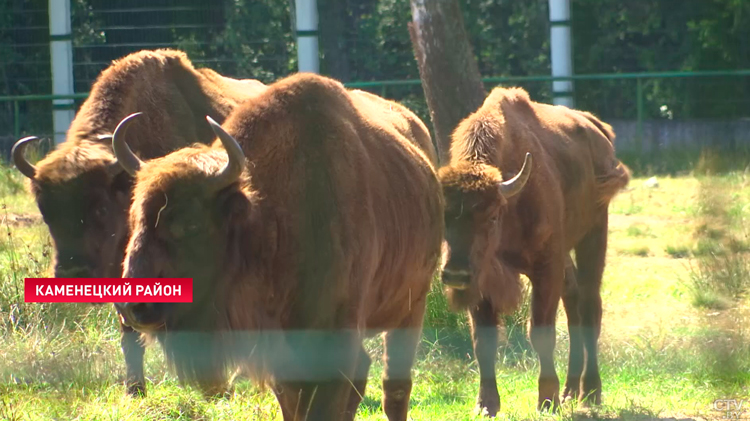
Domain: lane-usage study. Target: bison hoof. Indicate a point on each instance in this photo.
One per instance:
(570, 393)
(591, 390)
(487, 410)
(488, 406)
(549, 395)
(549, 405)
(593, 398)
(136, 390)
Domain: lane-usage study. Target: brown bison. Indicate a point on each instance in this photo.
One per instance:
(497, 229)
(81, 190)
(319, 225)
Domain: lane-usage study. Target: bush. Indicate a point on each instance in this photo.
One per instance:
(721, 273)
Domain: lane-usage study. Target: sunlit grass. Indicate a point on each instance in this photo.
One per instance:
(661, 356)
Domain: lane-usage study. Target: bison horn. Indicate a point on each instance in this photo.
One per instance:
(513, 186)
(19, 157)
(236, 157)
(124, 155)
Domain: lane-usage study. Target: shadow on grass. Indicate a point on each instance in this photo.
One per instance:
(634, 412)
(629, 415)
(454, 343)
(371, 404)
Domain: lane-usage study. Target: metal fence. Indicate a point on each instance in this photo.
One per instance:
(255, 39)
(103, 30)
(411, 90)
(243, 38)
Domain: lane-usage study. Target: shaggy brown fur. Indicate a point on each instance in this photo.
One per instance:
(84, 201)
(492, 238)
(331, 234)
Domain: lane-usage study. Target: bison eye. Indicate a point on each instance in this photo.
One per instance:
(101, 212)
(179, 230)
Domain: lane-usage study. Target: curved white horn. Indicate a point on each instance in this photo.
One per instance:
(125, 157)
(19, 156)
(236, 157)
(514, 186)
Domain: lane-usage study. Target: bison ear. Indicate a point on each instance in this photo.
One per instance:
(235, 205)
(120, 181)
(114, 169)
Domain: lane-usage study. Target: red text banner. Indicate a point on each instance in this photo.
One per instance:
(108, 290)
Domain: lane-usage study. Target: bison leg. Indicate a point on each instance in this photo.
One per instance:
(317, 385)
(590, 256)
(398, 358)
(199, 361)
(212, 380)
(315, 400)
(575, 357)
(546, 282)
(483, 320)
(133, 350)
(400, 349)
(359, 382)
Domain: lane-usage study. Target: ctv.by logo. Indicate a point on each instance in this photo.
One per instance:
(732, 409)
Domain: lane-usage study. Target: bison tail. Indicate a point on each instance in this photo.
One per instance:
(609, 184)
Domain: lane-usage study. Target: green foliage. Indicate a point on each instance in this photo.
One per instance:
(256, 41)
(20, 259)
(439, 315)
(511, 38)
(10, 184)
(518, 347)
(678, 252)
(662, 35)
(639, 251)
(370, 41)
(639, 230)
(721, 273)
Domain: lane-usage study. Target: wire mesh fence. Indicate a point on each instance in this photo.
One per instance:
(368, 41)
(240, 38)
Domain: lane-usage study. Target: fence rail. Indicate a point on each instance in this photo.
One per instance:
(384, 84)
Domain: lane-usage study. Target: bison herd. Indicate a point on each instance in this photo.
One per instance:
(310, 217)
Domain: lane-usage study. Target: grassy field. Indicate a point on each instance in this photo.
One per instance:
(674, 335)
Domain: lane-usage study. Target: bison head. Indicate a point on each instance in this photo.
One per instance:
(476, 198)
(187, 206)
(83, 196)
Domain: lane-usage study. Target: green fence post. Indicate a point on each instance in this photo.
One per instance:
(639, 111)
(16, 120)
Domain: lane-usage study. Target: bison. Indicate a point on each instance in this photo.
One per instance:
(83, 193)
(495, 229)
(314, 221)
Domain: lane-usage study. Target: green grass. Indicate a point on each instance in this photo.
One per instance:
(679, 161)
(721, 273)
(678, 252)
(640, 251)
(640, 230)
(661, 356)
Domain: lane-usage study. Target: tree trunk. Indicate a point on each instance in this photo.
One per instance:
(447, 66)
(333, 38)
